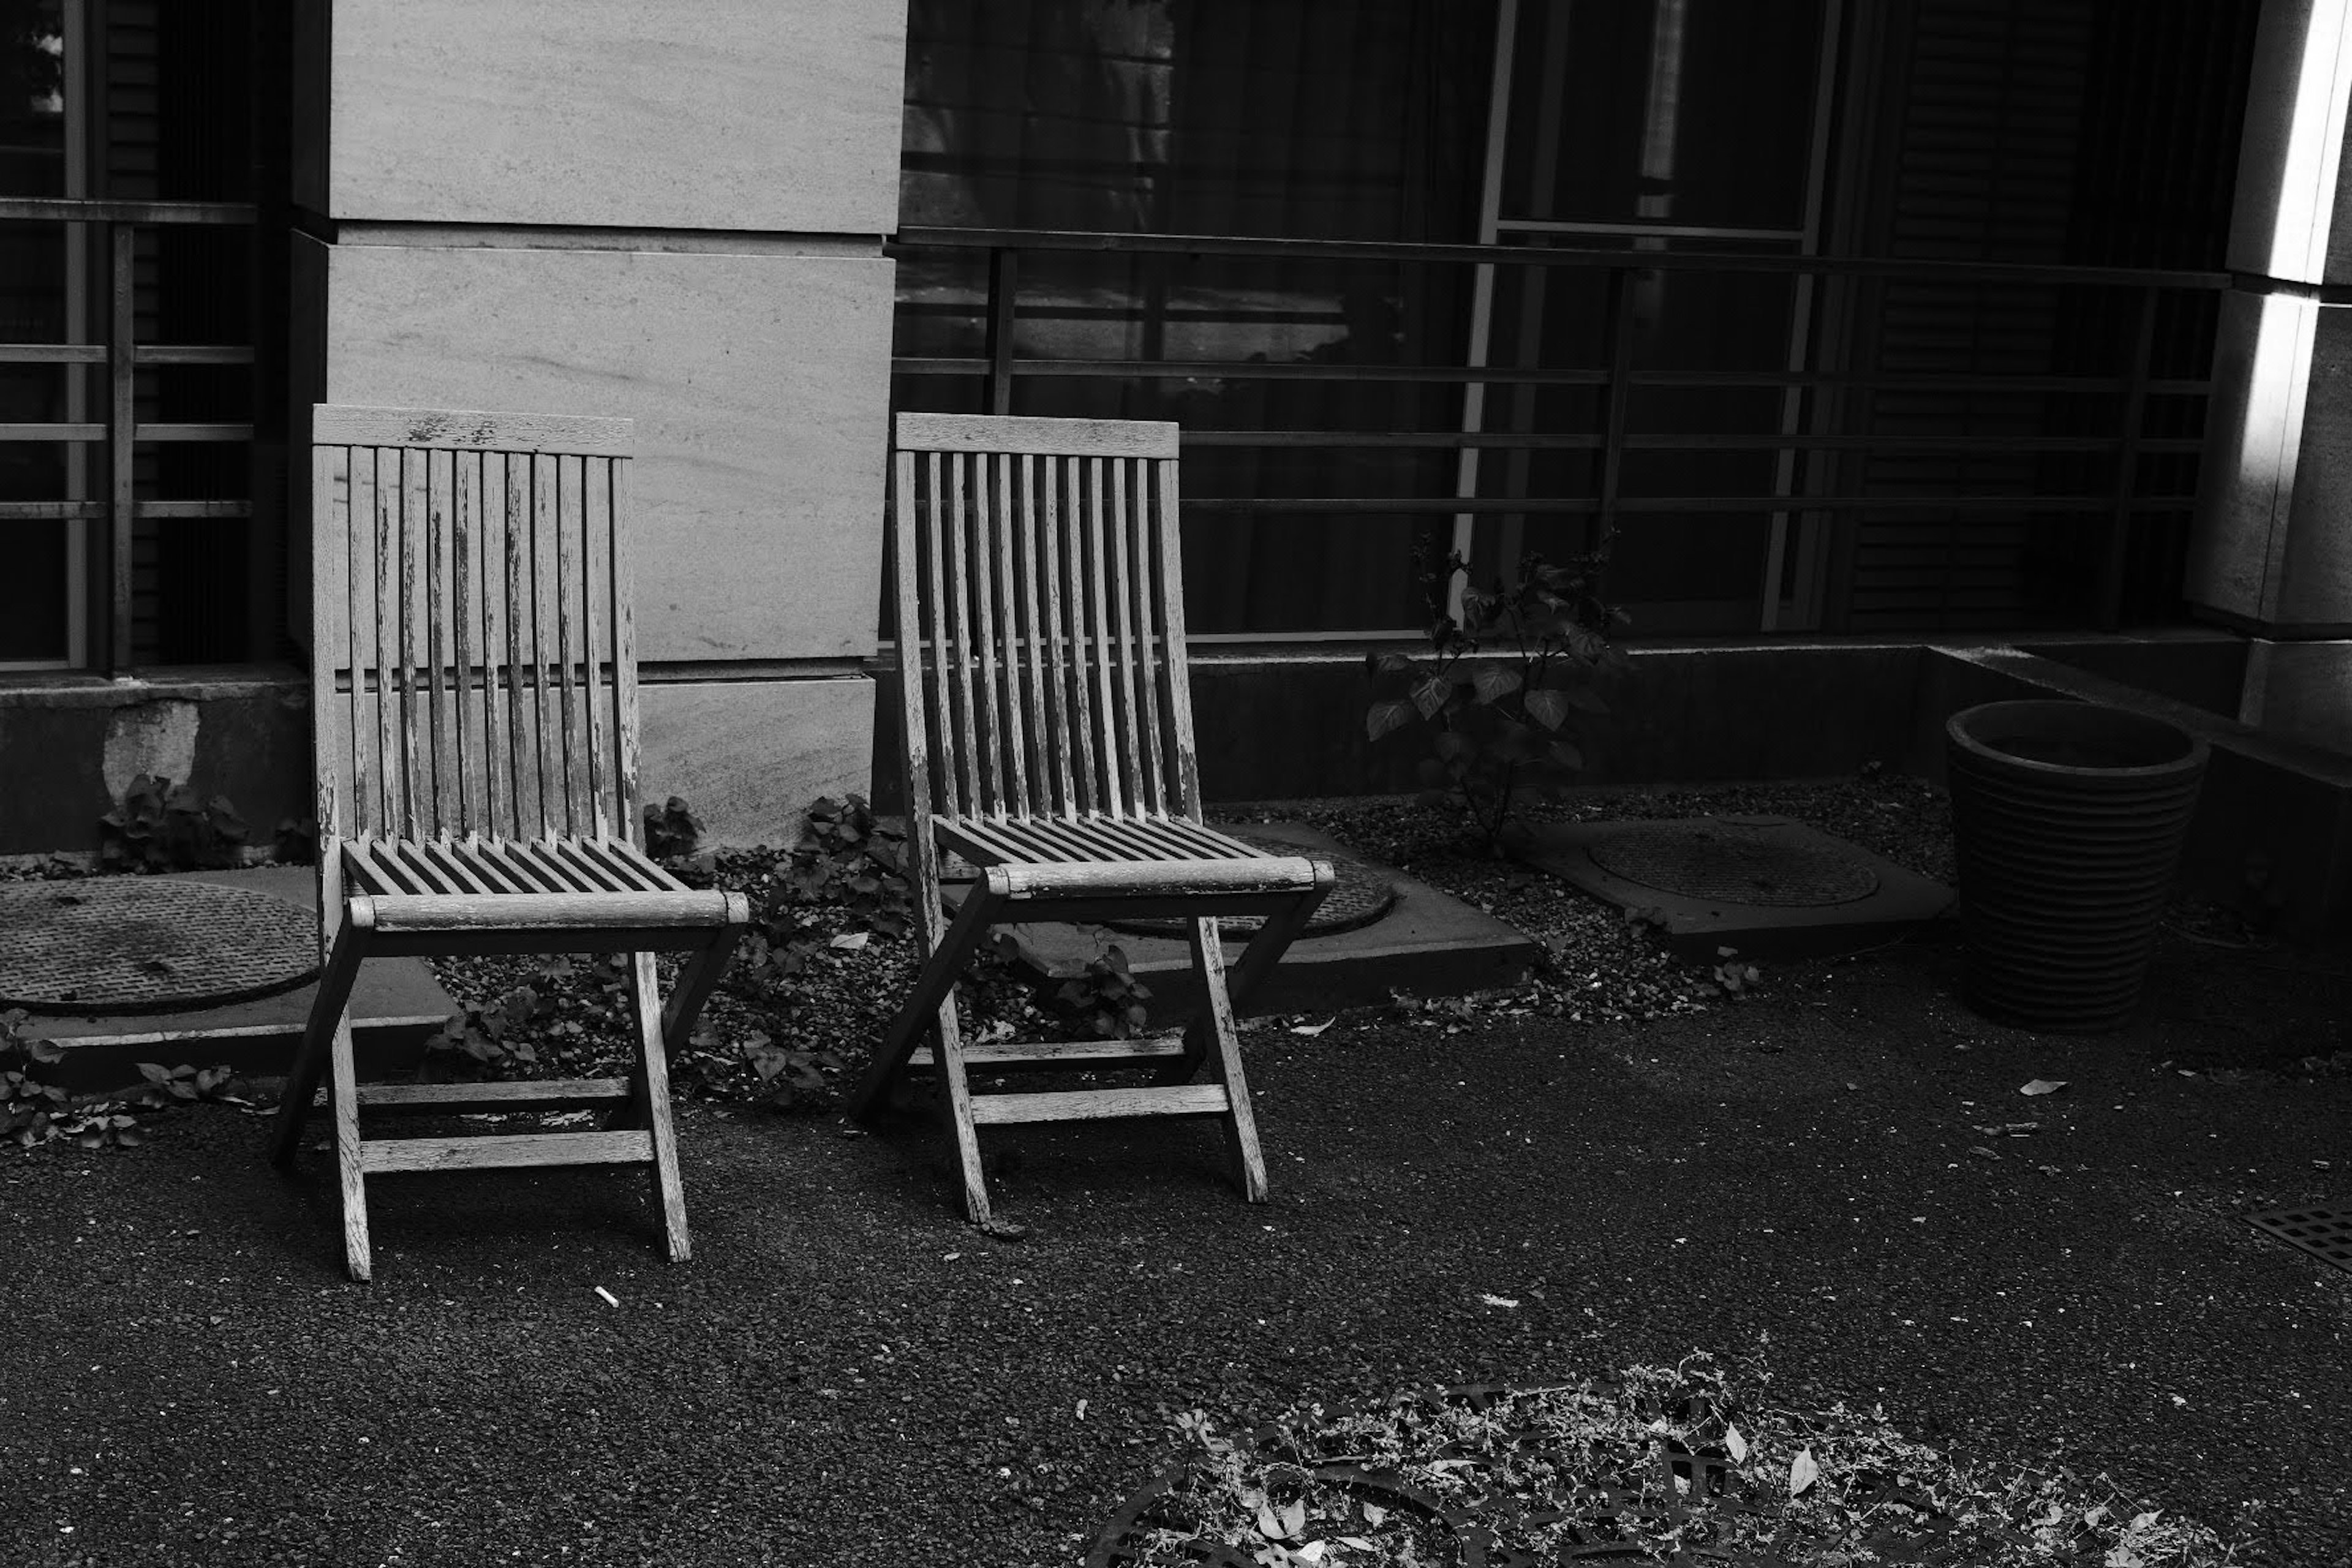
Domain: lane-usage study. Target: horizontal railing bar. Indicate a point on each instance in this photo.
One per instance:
(1451, 440)
(1547, 255)
(184, 431)
(192, 431)
(190, 354)
(52, 354)
(94, 511)
(1577, 506)
(47, 432)
(73, 210)
(1760, 379)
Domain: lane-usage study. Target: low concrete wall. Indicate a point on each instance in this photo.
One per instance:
(69, 746)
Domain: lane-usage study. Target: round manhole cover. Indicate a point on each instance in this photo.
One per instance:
(1363, 895)
(1731, 863)
(142, 944)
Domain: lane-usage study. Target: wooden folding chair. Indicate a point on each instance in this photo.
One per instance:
(1048, 744)
(475, 714)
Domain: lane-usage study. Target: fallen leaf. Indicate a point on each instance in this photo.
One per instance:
(1981, 1149)
(851, 941)
(1310, 1552)
(1736, 1444)
(1802, 1472)
(1293, 1518)
(1267, 1525)
(2045, 1086)
(1493, 1300)
(1356, 1543)
(610, 1300)
(1311, 1030)
(1374, 1513)
(1082, 1409)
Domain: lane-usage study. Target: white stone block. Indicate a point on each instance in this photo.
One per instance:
(750, 756)
(721, 114)
(760, 385)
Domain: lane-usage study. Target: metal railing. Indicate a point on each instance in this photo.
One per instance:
(120, 432)
(1797, 490)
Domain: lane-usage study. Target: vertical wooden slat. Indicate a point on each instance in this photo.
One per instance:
(595, 574)
(331, 719)
(545, 645)
(1122, 597)
(996, 473)
(464, 540)
(914, 708)
(391, 672)
(522, 687)
(935, 628)
(1021, 503)
(355, 523)
(426, 469)
(966, 724)
(987, 727)
(1082, 708)
(1045, 501)
(1107, 726)
(489, 552)
(1187, 781)
(1150, 628)
(625, 656)
(415, 628)
(564, 504)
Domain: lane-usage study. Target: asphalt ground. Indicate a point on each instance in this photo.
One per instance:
(846, 1375)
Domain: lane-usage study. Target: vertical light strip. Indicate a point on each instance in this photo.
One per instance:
(2314, 142)
(1482, 289)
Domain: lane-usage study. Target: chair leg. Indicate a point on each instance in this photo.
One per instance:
(344, 1087)
(649, 1084)
(1257, 961)
(955, 1114)
(310, 1064)
(1216, 1021)
(932, 999)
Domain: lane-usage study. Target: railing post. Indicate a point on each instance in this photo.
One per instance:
(122, 413)
(1003, 286)
(2134, 412)
(1619, 324)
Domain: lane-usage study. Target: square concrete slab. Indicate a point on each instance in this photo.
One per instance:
(1427, 944)
(1768, 886)
(396, 1003)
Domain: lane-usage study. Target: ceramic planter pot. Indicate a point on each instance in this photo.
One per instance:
(2068, 819)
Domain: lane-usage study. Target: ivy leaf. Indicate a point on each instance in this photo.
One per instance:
(1548, 707)
(1566, 755)
(1802, 1472)
(1493, 681)
(1586, 698)
(1392, 663)
(1431, 696)
(1383, 717)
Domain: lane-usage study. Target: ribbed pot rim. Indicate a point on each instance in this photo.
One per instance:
(1975, 732)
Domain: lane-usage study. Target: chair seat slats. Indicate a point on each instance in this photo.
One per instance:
(988, 841)
(398, 867)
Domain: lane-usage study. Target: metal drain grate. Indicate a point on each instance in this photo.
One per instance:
(143, 944)
(1733, 863)
(2325, 1234)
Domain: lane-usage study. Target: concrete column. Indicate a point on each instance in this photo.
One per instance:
(608, 207)
(2271, 551)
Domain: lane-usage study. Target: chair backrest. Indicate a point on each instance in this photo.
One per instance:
(473, 664)
(1041, 623)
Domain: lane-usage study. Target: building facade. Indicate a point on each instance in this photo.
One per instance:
(1849, 322)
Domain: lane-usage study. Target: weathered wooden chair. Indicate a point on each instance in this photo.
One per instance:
(1048, 744)
(475, 707)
